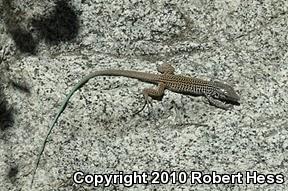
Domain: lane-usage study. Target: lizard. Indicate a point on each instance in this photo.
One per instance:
(217, 93)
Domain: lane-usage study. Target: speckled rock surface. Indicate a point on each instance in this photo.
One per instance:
(241, 42)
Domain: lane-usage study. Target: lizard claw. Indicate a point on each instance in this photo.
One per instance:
(148, 103)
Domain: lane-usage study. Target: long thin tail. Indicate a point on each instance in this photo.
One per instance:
(126, 73)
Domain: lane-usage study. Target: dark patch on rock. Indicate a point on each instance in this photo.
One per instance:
(24, 40)
(13, 17)
(13, 171)
(61, 25)
(6, 117)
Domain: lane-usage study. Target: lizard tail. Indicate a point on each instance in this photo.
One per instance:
(153, 78)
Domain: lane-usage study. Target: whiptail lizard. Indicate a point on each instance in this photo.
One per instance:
(216, 92)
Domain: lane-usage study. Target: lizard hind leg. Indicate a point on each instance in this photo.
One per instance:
(151, 93)
(165, 68)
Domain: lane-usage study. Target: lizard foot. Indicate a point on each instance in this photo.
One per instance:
(148, 103)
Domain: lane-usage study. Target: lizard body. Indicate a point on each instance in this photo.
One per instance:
(216, 92)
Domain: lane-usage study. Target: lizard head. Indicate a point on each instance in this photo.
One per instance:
(224, 92)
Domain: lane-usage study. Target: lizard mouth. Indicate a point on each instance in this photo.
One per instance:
(232, 101)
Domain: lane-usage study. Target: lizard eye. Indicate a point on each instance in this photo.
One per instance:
(216, 95)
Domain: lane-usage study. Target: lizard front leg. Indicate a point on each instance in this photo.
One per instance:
(217, 103)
